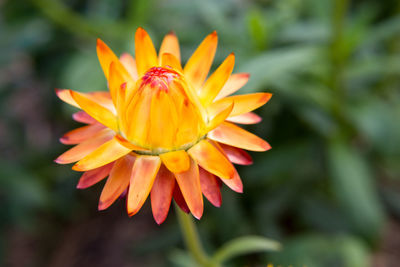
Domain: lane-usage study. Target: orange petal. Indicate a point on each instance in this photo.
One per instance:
(234, 83)
(130, 65)
(246, 118)
(199, 64)
(65, 95)
(81, 134)
(117, 182)
(176, 161)
(161, 194)
(146, 55)
(230, 134)
(235, 183)
(83, 117)
(236, 155)
(102, 98)
(169, 60)
(170, 44)
(189, 184)
(85, 148)
(212, 160)
(143, 175)
(106, 56)
(243, 103)
(217, 80)
(114, 82)
(179, 200)
(106, 153)
(210, 187)
(219, 118)
(92, 177)
(98, 112)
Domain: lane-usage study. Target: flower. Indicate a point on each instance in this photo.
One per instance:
(162, 129)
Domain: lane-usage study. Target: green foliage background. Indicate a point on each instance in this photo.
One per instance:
(328, 190)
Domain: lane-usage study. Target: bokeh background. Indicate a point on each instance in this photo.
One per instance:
(329, 189)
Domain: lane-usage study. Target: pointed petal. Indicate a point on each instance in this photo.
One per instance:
(219, 118)
(189, 183)
(210, 187)
(243, 103)
(179, 200)
(146, 55)
(92, 177)
(236, 155)
(85, 148)
(65, 95)
(235, 183)
(170, 44)
(217, 80)
(199, 64)
(161, 194)
(106, 153)
(169, 60)
(83, 117)
(106, 56)
(130, 65)
(81, 134)
(101, 97)
(246, 118)
(115, 81)
(234, 83)
(212, 160)
(98, 112)
(143, 175)
(176, 161)
(117, 182)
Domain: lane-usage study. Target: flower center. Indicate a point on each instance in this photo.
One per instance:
(160, 78)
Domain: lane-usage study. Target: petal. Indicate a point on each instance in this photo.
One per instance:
(92, 177)
(101, 97)
(170, 44)
(146, 55)
(176, 161)
(130, 65)
(246, 118)
(83, 117)
(230, 134)
(189, 184)
(106, 153)
(210, 187)
(115, 81)
(234, 83)
(143, 175)
(235, 183)
(217, 80)
(106, 56)
(243, 103)
(85, 148)
(98, 112)
(219, 118)
(199, 64)
(161, 194)
(117, 182)
(179, 200)
(236, 155)
(169, 60)
(65, 95)
(212, 160)
(81, 134)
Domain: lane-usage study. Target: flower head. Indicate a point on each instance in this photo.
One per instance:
(162, 129)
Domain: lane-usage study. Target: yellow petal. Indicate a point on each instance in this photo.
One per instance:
(143, 174)
(170, 44)
(130, 65)
(234, 83)
(114, 82)
(161, 194)
(101, 97)
(169, 60)
(98, 112)
(106, 153)
(85, 148)
(230, 134)
(81, 134)
(176, 161)
(212, 160)
(189, 184)
(146, 55)
(245, 118)
(219, 118)
(199, 64)
(243, 103)
(117, 182)
(217, 80)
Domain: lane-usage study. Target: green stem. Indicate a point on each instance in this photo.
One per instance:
(191, 238)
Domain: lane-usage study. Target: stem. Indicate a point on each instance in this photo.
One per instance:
(191, 238)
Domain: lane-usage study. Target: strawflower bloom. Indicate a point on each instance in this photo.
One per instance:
(163, 129)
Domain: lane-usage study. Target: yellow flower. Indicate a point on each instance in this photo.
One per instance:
(162, 129)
